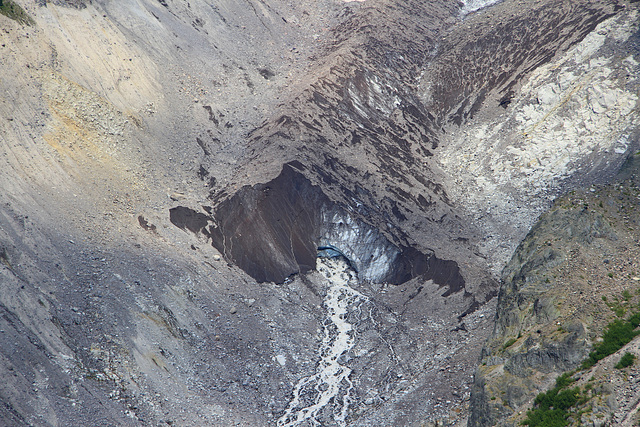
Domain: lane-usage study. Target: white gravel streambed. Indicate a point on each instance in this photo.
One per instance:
(330, 386)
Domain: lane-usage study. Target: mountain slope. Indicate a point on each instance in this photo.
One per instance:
(575, 273)
(169, 170)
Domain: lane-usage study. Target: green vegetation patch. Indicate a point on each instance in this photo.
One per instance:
(13, 10)
(555, 407)
(564, 380)
(509, 343)
(619, 307)
(546, 418)
(618, 334)
(625, 361)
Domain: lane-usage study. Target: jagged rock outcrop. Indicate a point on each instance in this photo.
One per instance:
(575, 272)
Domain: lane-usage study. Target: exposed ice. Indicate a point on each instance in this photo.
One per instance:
(473, 5)
(282, 360)
(369, 252)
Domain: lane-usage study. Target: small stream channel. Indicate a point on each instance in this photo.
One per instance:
(330, 387)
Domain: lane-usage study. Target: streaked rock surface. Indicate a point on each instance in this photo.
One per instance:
(421, 139)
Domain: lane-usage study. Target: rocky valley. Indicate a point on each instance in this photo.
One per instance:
(329, 212)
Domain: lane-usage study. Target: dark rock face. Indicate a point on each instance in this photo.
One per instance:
(273, 231)
(187, 219)
(269, 230)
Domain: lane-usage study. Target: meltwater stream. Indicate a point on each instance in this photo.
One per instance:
(329, 389)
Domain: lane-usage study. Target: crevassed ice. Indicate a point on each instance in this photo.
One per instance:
(328, 391)
(473, 5)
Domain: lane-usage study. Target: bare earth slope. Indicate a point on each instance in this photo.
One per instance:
(170, 169)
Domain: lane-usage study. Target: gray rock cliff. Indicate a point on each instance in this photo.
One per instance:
(576, 271)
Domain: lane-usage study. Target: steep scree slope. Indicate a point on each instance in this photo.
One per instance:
(121, 120)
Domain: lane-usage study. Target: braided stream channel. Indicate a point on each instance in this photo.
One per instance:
(326, 395)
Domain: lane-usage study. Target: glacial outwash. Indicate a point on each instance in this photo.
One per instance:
(327, 212)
